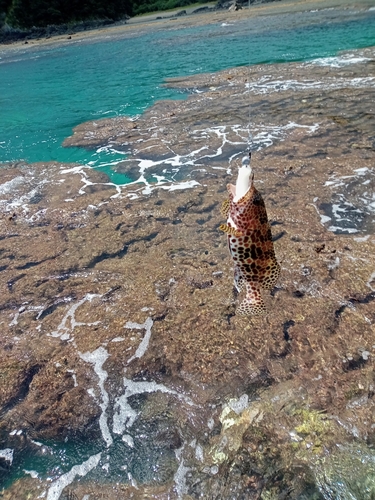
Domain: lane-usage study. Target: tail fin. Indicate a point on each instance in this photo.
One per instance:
(253, 304)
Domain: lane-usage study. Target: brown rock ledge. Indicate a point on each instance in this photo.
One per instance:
(87, 270)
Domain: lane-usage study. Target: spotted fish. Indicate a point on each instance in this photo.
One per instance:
(250, 242)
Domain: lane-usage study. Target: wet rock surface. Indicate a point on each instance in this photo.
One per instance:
(125, 371)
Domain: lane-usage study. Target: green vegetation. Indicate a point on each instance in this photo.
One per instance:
(28, 14)
(189, 5)
(146, 6)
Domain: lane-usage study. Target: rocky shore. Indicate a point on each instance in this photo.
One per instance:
(191, 16)
(120, 339)
(10, 35)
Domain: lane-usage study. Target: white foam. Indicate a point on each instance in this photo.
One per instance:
(9, 186)
(269, 134)
(128, 440)
(132, 481)
(63, 330)
(182, 185)
(124, 415)
(98, 358)
(37, 443)
(142, 348)
(352, 199)
(180, 475)
(361, 171)
(58, 486)
(362, 238)
(339, 61)
(265, 85)
(74, 377)
(7, 454)
(334, 264)
(349, 230)
(228, 135)
(81, 170)
(370, 281)
(240, 404)
(324, 219)
(199, 453)
(33, 473)
(15, 319)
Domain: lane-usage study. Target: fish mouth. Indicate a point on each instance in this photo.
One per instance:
(243, 184)
(232, 190)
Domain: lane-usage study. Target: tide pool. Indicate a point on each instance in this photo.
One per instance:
(45, 92)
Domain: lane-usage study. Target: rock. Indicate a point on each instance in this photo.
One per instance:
(235, 6)
(119, 325)
(200, 10)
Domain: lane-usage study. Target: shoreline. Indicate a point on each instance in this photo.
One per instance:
(163, 19)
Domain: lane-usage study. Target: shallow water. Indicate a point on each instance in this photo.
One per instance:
(46, 91)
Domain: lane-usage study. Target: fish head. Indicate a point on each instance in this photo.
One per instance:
(240, 207)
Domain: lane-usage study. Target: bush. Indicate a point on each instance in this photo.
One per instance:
(28, 13)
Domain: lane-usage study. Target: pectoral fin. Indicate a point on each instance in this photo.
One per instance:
(224, 210)
(230, 230)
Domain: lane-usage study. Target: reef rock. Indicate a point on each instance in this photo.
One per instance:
(125, 371)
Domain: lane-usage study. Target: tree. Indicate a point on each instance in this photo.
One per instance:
(40, 13)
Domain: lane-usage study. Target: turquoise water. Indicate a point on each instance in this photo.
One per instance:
(45, 92)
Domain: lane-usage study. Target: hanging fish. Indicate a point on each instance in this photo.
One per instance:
(250, 241)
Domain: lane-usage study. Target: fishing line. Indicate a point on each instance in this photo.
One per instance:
(250, 138)
(250, 142)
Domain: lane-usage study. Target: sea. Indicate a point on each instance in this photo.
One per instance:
(47, 90)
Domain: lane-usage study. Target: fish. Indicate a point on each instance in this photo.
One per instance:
(249, 241)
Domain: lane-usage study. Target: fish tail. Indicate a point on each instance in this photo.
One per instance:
(253, 304)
